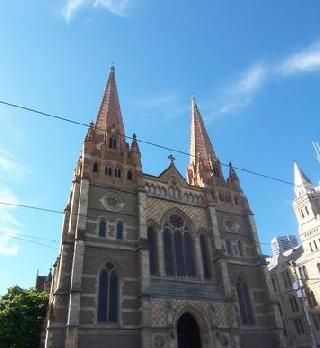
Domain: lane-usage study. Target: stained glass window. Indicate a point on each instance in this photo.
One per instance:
(246, 313)
(204, 254)
(102, 228)
(153, 252)
(108, 295)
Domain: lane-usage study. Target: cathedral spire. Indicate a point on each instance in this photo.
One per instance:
(203, 162)
(302, 183)
(109, 115)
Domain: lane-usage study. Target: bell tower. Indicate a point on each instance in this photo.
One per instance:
(106, 157)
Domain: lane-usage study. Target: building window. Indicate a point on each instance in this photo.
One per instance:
(108, 171)
(318, 266)
(315, 244)
(168, 252)
(113, 143)
(299, 326)
(205, 256)
(102, 228)
(153, 250)
(129, 175)
(95, 167)
(178, 247)
(228, 247)
(236, 200)
(303, 273)
(310, 246)
(286, 278)
(108, 295)
(240, 248)
(294, 304)
(119, 230)
(246, 312)
(311, 298)
(307, 210)
(117, 173)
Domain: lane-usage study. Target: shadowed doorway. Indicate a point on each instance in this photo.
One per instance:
(188, 332)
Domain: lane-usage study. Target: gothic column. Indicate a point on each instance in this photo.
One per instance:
(77, 266)
(144, 271)
(218, 249)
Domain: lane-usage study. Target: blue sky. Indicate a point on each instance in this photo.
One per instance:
(254, 67)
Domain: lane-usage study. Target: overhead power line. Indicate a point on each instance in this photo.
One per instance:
(53, 211)
(163, 147)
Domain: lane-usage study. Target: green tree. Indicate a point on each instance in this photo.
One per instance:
(21, 315)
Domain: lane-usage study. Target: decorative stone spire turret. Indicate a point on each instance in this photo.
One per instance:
(233, 179)
(302, 183)
(203, 163)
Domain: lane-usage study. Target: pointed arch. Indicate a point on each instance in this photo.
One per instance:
(113, 142)
(108, 294)
(95, 167)
(102, 228)
(119, 230)
(153, 250)
(245, 306)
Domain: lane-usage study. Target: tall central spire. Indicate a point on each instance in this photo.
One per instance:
(203, 161)
(109, 115)
(200, 144)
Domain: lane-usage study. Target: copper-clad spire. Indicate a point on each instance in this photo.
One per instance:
(202, 157)
(200, 145)
(109, 115)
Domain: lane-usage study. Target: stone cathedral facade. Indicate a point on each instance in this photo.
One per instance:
(157, 261)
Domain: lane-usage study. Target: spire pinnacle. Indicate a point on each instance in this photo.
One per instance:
(202, 156)
(302, 183)
(109, 115)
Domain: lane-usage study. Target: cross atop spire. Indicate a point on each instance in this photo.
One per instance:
(109, 115)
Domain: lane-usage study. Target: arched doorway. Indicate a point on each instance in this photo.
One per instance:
(188, 332)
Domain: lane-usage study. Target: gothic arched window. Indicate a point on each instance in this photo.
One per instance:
(204, 255)
(189, 255)
(178, 247)
(153, 250)
(108, 295)
(129, 175)
(102, 228)
(119, 230)
(113, 143)
(95, 167)
(246, 312)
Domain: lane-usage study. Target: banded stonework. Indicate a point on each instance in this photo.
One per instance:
(157, 261)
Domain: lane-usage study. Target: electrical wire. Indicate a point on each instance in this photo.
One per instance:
(163, 147)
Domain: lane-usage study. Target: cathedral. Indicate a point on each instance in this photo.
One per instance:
(157, 261)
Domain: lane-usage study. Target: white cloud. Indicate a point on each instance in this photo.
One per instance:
(242, 91)
(306, 60)
(9, 166)
(8, 223)
(117, 7)
(5, 248)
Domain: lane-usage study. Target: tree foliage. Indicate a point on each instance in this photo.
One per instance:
(21, 315)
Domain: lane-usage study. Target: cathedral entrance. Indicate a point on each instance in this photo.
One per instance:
(188, 332)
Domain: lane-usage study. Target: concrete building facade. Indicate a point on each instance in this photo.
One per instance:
(157, 261)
